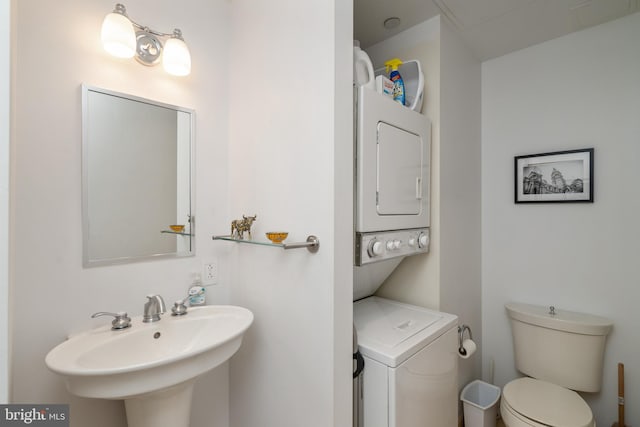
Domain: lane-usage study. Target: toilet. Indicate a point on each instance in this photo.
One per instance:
(560, 352)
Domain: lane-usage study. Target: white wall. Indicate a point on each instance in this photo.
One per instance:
(448, 277)
(58, 48)
(417, 278)
(5, 58)
(460, 203)
(290, 162)
(577, 91)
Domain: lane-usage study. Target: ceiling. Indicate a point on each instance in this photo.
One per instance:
(490, 28)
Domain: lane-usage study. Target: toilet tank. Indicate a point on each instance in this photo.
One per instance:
(565, 348)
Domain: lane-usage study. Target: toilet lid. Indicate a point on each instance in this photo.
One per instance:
(547, 403)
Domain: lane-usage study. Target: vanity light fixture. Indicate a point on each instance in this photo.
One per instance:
(124, 38)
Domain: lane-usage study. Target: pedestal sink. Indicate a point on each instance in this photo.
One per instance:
(151, 366)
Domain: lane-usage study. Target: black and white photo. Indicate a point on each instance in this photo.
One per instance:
(561, 176)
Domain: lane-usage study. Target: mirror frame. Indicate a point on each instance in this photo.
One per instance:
(86, 262)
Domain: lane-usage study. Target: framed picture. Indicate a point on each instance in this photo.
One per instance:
(562, 176)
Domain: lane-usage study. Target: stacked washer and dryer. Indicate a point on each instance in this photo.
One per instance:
(407, 360)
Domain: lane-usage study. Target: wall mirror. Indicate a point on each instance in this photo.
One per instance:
(137, 178)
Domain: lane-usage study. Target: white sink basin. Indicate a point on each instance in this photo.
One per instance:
(150, 358)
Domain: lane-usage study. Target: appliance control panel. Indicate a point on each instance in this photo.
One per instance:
(383, 245)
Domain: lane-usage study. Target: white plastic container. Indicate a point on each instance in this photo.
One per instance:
(480, 404)
(363, 74)
(411, 72)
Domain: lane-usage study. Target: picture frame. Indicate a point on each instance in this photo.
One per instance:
(556, 177)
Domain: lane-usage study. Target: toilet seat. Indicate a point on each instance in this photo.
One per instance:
(531, 402)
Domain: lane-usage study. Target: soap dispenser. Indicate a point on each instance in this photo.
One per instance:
(196, 291)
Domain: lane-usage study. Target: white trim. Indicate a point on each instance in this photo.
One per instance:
(4, 197)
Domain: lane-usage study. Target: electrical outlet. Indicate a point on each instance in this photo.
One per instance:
(210, 272)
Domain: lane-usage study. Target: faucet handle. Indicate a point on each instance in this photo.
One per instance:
(121, 321)
(179, 308)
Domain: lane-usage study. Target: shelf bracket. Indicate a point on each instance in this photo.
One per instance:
(312, 244)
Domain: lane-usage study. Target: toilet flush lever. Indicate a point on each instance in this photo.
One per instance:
(552, 310)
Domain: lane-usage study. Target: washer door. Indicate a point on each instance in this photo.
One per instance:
(424, 389)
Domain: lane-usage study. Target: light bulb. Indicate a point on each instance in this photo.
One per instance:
(176, 58)
(118, 36)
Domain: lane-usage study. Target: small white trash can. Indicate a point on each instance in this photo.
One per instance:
(480, 404)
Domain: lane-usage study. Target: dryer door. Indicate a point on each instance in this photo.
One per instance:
(400, 164)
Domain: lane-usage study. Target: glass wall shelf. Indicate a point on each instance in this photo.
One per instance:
(312, 244)
(176, 232)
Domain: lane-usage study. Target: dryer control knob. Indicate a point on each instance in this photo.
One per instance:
(375, 248)
(423, 240)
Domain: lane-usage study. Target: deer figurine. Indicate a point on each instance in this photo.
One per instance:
(239, 226)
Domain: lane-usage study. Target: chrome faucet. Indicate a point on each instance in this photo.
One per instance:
(153, 308)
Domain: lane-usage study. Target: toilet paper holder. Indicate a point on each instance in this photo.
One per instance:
(461, 330)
